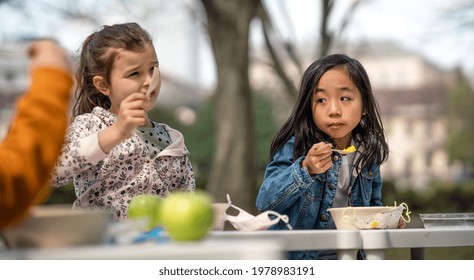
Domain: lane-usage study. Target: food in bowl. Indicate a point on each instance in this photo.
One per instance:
(58, 226)
(374, 217)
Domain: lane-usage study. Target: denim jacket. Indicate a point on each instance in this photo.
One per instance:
(288, 188)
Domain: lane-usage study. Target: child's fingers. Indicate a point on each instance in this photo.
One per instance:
(134, 100)
(318, 162)
(321, 149)
(132, 112)
(323, 164)
(139, 101)
(47, 53)
(134, 106)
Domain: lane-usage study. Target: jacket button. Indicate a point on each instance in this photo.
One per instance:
(331, 186)
(336, 158)
(324, 217)
(370, 173)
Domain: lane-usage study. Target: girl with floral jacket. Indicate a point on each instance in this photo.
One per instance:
(113, 151)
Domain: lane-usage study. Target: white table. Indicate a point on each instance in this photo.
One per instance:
(266, 245)
(208, 249)
(348, 242)
(375, 242)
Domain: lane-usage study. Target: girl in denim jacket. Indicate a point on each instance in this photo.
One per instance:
(113, 151)
(335, 109)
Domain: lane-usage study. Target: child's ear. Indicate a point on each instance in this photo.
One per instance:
(101, 85)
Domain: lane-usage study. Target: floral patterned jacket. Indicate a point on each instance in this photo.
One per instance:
(111, 180)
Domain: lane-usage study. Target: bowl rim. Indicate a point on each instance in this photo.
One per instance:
(363, 208)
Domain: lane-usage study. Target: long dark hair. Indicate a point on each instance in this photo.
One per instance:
(369, 132)
(98, 54)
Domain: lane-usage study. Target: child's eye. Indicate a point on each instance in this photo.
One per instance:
(133, 74)
(152, 69)
(345, 99)
(321, 100)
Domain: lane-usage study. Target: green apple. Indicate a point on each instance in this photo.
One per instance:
(187, 216)
(148, 207)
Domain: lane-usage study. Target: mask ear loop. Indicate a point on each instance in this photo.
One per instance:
(283, 218)
(407, 212)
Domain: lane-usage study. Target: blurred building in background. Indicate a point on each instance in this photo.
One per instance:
(13, 80)
(412, 94)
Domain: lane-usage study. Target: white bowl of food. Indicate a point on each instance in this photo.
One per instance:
(58, 226)
(373, 217)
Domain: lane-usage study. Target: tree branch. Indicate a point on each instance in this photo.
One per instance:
(292, 91)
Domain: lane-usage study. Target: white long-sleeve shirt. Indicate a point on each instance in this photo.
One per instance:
(111, 180)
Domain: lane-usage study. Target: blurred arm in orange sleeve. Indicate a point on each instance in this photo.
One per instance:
(32, 145)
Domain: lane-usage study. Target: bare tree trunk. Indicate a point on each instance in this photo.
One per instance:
(233, 169)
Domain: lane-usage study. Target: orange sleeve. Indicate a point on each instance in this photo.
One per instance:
(30, 149)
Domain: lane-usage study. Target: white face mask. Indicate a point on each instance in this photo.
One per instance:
(245, 221)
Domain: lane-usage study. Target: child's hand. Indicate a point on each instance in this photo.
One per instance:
(318, 160)
(48, 53)
(131, 114)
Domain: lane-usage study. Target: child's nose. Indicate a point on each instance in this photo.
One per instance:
(148, 79)
(334, 108)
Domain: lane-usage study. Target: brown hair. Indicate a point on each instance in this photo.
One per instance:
(97, 59)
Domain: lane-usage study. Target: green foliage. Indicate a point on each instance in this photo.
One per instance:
(265, 130)
(165, 115)
(200, 138)
(437, 198)
(200, 141)
(461, 126)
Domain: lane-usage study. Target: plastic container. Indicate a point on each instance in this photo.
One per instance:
(59, 226)
(457, 220)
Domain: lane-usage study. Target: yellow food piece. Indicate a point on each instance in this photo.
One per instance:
(374, 224)
(349, 149)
